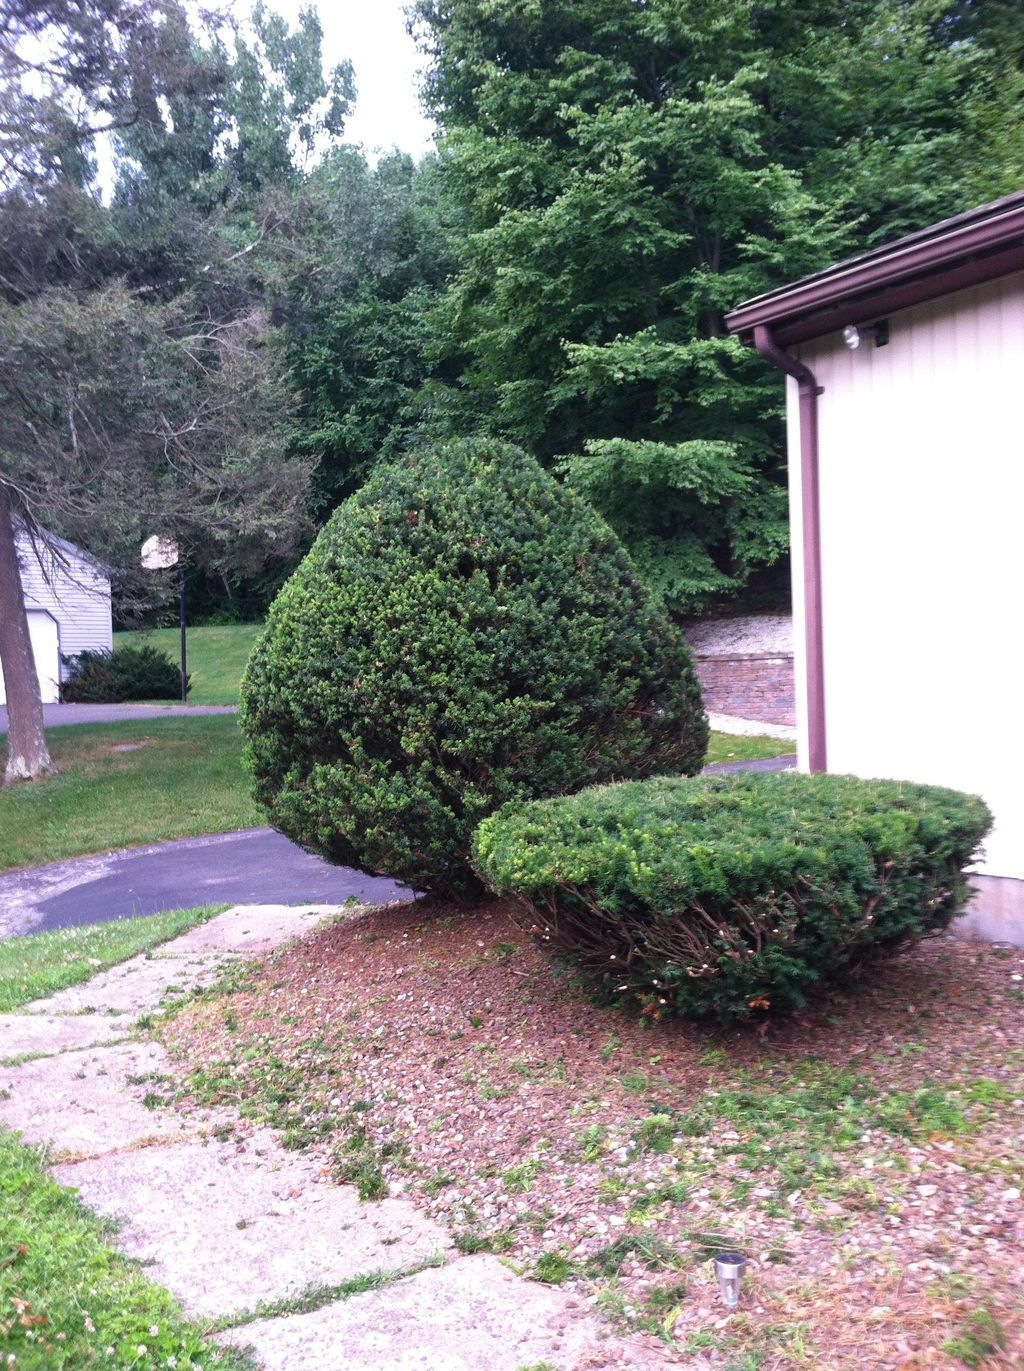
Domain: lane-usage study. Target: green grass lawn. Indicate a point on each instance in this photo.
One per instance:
(216, 657)
(44, 963)
(120, 785)
(726, 747)
(67, 1300)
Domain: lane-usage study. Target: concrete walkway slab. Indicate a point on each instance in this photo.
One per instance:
(85, 1103)
(225, 1226)
(22, 1034)
(248, 930)
(470, 1315)
(136, 987)
(192, 962)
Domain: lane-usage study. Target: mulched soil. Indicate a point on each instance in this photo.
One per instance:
(868, 1158)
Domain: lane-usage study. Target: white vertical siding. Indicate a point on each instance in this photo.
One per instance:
(922, 500)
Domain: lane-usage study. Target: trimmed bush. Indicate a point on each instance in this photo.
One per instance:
(464, 632)
(731, 894)
(131, 673)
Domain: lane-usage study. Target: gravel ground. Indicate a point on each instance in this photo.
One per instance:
(767, 633)
(868, 1158)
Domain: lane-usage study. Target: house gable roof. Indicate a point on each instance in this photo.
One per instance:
(969, 249)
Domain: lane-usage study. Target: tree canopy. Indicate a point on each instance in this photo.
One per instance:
(143, 381)
(629, 171)
(226, 341)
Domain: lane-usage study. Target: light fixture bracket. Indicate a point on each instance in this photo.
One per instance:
(853, 334)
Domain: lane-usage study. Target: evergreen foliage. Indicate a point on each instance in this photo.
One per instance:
(729, 895)
(464, 632)
(133, 673)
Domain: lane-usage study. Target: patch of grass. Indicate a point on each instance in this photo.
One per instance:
(518, 1180)
(469, 1242)
(592, 1142)
(981, 1336)
(727, 747)
(655, 1254)
(317, 1296)
(216, 657)
(43, 963)
(552, 1268)
(67, 1300)
(186, 779)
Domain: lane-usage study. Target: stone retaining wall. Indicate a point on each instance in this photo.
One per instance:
(749, 686)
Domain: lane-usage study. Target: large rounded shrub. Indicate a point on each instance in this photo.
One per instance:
(731, 894)
(464, 632)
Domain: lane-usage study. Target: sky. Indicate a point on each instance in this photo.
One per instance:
(371, 33)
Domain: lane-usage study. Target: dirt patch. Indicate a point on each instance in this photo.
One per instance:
(130, 747)
(867, 1158)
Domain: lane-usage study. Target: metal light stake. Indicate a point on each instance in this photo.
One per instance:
(729, 1268)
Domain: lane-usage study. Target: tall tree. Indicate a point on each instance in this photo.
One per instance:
(630, 171)
(363, 271)
(141, 381)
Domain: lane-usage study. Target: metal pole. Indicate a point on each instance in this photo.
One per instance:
(181, 620)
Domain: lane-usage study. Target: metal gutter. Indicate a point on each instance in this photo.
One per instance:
(989, 244)
(810, 523)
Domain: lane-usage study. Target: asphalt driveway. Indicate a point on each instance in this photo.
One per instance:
(256, 865)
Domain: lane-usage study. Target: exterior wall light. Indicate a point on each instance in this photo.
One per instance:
(853, 336)
(729, 1268)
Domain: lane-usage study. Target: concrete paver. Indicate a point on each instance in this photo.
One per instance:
(247, 930)
(226, 1225)
(135, 987)
(22, 1034)
(83, 1103)
(191, 962)
(470, 1315)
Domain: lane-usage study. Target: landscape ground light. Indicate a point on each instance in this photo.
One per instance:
(729, 1268)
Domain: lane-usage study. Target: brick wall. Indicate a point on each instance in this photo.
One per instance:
(749, 686)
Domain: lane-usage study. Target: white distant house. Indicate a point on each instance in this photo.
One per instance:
(906, 440)
(67, 597)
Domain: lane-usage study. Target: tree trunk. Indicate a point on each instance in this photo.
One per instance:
(27, 755)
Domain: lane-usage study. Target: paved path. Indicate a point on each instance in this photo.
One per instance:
(60, 716)
(227, 868)
(228, 1225)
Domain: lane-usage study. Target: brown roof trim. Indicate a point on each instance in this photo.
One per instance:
(979, 246)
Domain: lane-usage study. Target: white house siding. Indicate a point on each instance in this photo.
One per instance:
(76, 595)
(42, 628)
(922, 512)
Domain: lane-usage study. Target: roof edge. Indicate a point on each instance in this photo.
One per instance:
(981, 245)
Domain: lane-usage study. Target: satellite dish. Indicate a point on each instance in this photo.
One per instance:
(159, 553)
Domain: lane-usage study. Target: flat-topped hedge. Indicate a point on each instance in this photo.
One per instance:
(729, 895)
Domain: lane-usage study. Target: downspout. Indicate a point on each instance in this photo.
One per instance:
(810, 521)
